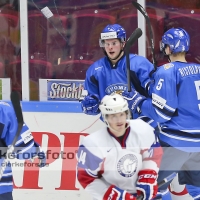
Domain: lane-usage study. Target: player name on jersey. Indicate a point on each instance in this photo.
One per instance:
(189, 70)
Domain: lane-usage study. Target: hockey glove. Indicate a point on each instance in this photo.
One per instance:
(147, 184)
(40, 155)
(134, 99)
(115, 193)
(90, 104)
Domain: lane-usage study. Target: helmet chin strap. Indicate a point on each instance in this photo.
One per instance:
(168, 58)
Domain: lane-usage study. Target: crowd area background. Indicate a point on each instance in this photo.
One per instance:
(66, 44)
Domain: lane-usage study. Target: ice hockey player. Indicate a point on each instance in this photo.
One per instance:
(25, 148)
(175, 105)
(116, 162)
(108, 74)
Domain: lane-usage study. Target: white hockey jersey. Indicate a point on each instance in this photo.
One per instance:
(104, 160)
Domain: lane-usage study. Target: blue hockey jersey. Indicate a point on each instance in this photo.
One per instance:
(24, 145)
(104, 78)
(176, 105)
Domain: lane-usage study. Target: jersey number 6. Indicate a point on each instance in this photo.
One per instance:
(158, 87)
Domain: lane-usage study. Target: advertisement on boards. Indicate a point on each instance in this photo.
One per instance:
(59, 135)
(60, 89)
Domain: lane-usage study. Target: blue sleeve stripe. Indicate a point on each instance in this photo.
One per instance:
(146, 119)
(18, 142)
(8, 169)
(7, 174)
(164, 111)
(183, 134)
(161, 115)
(23, 131)
(6, 179)
(170, 108)
(191, 131)
(4, 184)
(21, 143)
(27, 148)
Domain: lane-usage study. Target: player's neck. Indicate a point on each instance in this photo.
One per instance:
(176, 58)
(117, 133)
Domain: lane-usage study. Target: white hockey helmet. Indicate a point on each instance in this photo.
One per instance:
(112, 104)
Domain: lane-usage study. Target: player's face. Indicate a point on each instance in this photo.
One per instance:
(113, 47)
(117, 122)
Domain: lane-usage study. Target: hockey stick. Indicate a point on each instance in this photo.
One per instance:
(161, 183)
(48, 19)
(144, 13)
(18, 112)
(134, 36)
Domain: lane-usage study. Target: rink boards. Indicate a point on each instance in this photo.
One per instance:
(59, 127)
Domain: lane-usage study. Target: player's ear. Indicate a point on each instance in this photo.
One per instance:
(168, 50)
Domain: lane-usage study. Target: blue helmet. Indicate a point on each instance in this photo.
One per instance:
(177, 39)
(111, 32)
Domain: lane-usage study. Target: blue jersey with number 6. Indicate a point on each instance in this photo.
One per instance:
(176, 104)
